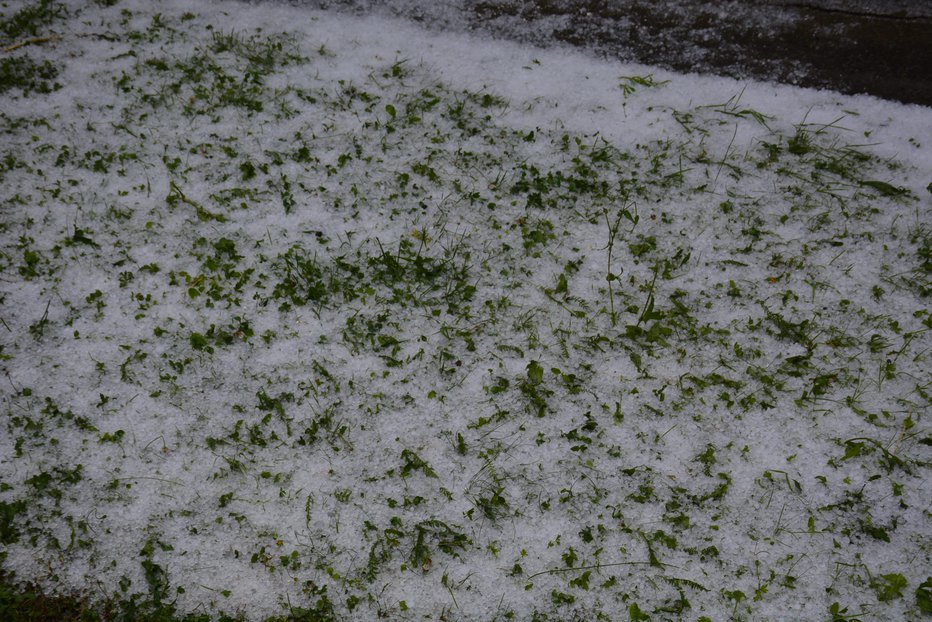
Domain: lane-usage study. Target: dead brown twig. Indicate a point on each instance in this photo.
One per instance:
(26, 42)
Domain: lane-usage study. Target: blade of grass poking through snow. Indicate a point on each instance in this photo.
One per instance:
(308, 316)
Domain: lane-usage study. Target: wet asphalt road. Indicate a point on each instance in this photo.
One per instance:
(877, 47)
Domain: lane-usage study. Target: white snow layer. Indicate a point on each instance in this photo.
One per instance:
(326, 313)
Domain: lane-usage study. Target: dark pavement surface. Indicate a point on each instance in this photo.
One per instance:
(878, 47)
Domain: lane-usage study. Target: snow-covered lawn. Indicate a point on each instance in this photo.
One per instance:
(329, 317)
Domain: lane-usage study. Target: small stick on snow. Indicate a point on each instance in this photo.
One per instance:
(26, 42)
